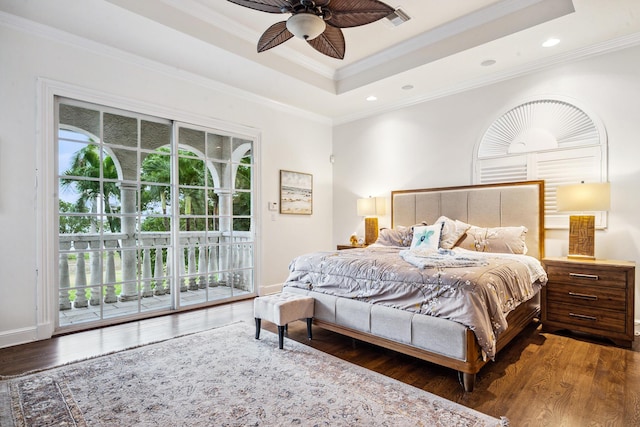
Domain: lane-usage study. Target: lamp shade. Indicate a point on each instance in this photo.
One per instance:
(583, 197)
(306, 26)
(371, 206)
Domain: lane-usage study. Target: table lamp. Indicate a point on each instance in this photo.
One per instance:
(370, 209)
(580, 198)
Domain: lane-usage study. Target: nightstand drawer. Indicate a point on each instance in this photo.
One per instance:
(585, 318)
(592, 296)
(587, 275)
(588, 296)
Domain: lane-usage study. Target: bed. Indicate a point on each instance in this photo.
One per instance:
(455, 302)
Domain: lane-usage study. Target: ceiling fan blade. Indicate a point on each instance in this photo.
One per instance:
(330, 43)
(271, 6)
(353, 13)
(275, 35)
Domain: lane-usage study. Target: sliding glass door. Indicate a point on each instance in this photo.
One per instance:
(153, 215)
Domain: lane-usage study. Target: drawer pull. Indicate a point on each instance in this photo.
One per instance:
(583, 317)
(584, 296)
(584, 276)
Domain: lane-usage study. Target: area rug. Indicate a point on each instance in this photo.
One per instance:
(223, 377)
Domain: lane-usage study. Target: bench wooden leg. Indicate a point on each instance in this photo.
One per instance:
(258, 328)
(309, 320)
(281, 337)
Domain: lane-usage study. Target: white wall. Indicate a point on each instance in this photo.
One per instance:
(427, 145)
(26, 57)
(432, 144)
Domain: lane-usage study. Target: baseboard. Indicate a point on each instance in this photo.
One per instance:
(270, 289)
(17, 336)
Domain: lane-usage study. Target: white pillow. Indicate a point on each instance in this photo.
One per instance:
(426, 237)
(452, 231)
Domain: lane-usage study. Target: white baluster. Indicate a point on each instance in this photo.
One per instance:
(63, 271)
(191, 253)
(146, 272)
(202, 263)
(213, 265)
(169, 287)
(96, 272)
(81, 275)
(247, 284)
(236, 262)
(110, 293)
(183, 270)
(158, 273)
(224, 264)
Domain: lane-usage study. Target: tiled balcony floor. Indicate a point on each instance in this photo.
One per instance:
(146, 304)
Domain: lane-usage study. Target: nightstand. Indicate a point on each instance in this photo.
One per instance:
(592, 296)
(341, 247)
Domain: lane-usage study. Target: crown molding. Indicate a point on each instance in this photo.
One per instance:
(47, 32)
(492, 22)
(435, 35)
(597, 49)
(59, 36)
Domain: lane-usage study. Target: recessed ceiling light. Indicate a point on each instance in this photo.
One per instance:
(550, 42)
(407, 87)
(488, 62)
(371, 98)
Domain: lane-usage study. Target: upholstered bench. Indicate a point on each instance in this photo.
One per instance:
(281, 309)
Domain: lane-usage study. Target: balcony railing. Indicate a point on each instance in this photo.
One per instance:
(118, 272)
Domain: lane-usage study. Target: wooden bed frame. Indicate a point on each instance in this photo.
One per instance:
(493, 205)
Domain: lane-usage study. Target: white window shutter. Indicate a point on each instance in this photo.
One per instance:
(505, 169)
(545, 139)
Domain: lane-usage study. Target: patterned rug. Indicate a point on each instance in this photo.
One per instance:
(223, 377)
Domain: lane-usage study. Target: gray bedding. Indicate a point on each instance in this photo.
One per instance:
(477, 290)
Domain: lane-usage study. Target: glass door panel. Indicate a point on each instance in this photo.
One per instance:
(153, 215)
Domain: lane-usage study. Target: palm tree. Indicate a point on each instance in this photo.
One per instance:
(87, 163)
(73, 224)
(156, 168)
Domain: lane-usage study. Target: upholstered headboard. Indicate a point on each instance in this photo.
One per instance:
(491, 205)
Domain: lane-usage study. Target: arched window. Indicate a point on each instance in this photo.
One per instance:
(549, 139)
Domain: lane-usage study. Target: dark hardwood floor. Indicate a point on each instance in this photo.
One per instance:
(539, 379)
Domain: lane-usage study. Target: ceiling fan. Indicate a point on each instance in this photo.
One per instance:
(318, 22)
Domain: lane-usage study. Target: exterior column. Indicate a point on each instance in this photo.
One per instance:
(129, 254)
(224, 262)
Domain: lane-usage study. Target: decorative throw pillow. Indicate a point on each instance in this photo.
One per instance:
(452, 231)
(507, 240)
(426, 237)
(399, 236)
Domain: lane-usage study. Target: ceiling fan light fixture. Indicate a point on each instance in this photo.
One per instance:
(306, 26)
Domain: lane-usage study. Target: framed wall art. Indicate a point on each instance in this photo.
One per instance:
(296, 193)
